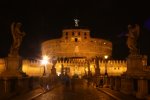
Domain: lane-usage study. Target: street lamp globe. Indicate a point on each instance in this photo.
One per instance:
(106, 56)
(106, 74)
(44, 60)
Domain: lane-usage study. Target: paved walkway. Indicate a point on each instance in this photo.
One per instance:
(78, 91)
(30, 95)
(39, 91)
(34, 93)
(116, 94)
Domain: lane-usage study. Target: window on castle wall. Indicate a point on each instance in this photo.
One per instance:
(66, 33)
(85, 33)
(72, 33)
(76, 39)
(66, 37)
(79, 33)
(85, 37)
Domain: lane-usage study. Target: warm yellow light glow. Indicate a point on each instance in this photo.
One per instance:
(86, 69)
(45, 57)
(106, 56)
(58, 73)
(45, 60)
(59, 66)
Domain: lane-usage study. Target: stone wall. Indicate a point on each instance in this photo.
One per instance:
(79, 66)
(34, 68)
(14, 86)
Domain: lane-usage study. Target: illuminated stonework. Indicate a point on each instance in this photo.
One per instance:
(76, 66)
(77, 43)
(80, 66)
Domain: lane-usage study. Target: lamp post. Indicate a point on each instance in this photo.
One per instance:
(53, 70)
(88, 66)
(106, 74)
(44, 62)
(97, 69)
(106, 57)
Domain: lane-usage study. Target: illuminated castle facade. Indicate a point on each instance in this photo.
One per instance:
(76, 66)
(77, 43)
(76, 49)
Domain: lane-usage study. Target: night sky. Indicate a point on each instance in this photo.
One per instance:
(45, 19)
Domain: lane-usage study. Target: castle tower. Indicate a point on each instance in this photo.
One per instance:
(77, 42)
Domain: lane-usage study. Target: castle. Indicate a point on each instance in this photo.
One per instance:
(76, 43)
(76, 48)
(73, 51)
(77, 53)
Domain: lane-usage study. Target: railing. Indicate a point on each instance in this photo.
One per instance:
(11, 87)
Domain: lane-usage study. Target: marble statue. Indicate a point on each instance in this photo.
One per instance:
(76, 22)
(18, 35)
(133, 34)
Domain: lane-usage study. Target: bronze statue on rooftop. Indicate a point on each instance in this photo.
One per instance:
(133, 35)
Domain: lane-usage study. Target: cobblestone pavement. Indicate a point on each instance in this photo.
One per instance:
(78, 91)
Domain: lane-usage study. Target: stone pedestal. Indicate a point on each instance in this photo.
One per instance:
(134, 64)
(127, 85)
(135, 72)
(13, 67)
(142, 89)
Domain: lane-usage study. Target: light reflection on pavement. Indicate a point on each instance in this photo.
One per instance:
(77, 92)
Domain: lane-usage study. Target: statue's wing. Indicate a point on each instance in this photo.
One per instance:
(13, 30)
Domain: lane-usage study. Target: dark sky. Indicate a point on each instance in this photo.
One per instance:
(45, 19)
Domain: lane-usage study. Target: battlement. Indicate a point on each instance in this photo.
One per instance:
(113, 61)
(35, 68)
(32, 67)
(31, 62)
(82, 60)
